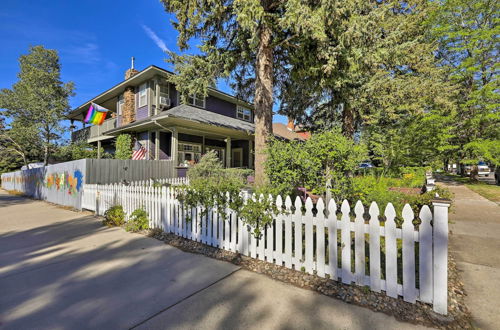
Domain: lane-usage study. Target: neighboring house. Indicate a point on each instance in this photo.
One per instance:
(148, 107)
(290, 131)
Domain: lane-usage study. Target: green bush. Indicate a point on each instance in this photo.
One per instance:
(138, 221)
(213, 186)
(123, 147)
(369, 189)
(327, 156)
(114, 216)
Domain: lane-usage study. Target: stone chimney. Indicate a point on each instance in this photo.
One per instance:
(131, 72)
(128, 115)
(291, 124)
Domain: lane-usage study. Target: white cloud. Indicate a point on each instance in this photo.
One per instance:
(157, 40)
(87, 53)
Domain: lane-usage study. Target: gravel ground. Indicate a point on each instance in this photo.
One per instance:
(458, 316)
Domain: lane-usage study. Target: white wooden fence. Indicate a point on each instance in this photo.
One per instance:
(164, 181)
(332, 245)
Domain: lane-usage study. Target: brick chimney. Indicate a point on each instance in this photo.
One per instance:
(131, 72)
(291, 124)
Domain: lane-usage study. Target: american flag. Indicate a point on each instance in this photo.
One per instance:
(139, 151)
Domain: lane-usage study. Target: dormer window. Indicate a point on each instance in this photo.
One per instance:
(143, 95)
(243, 113)
(196, 100)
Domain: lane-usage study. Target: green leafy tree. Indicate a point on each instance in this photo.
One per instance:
(19, 145)
(251, 42)
(77, 150)
(39, 98)
(374, 67)
(123, 146)
(468, 48)
(322, 164)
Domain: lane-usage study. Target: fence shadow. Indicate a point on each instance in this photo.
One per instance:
(9, 200)
(248, 300)
(77, 274)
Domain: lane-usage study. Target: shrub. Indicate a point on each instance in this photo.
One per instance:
(311, 164)
(123, 146)
(212, 186)
(138, 221)
(114, 216)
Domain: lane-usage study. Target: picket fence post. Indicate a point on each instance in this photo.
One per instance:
(440, 236)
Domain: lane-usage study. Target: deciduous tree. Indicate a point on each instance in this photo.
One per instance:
(39, 98)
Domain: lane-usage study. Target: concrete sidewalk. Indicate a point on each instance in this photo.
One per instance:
(475, 244)
(62, 270)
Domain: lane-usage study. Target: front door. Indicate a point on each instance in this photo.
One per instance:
(237, 157)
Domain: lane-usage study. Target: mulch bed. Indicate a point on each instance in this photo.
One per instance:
(458, 316)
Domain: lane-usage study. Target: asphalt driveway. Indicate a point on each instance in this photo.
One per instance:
(61, 269)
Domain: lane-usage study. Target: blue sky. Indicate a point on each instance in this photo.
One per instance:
(95, 39)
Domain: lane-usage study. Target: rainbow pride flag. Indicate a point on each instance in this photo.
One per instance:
(96, 114)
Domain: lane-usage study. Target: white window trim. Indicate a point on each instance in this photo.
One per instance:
(194, 144)
(121, 104)
(145, 91)
(242, 108)
(196, 98)
(166, 85)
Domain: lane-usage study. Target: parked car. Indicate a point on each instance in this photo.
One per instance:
(482, 169)
(366, 165)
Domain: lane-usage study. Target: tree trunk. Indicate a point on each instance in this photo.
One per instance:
(348, 126)
(46, 150)
(263, 101)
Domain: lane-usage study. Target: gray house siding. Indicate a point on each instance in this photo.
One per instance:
(220, 106)
(142, 113)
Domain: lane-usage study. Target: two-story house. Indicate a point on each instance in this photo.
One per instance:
(148, 107)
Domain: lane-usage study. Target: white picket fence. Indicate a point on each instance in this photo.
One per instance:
(332, 245)
(165, 181)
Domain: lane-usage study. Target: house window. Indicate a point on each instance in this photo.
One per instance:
(164, 98)
(196, 100)
(189, 153)
(143, 95)
(121, 102)
(243, 113)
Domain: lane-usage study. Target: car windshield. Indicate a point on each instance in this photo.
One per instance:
(481, 163)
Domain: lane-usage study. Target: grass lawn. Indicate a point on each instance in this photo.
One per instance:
(489, 191)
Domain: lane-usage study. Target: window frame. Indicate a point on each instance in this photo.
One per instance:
(143, 93)
(181, 152)
(242, 109)
(193, 98)
(121, 104)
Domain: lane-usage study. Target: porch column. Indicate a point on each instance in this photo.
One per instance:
(98, 149)
(174, 146)
(250, 154)
(228, 152)
(157, 145)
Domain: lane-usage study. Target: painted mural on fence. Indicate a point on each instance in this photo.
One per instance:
(72, 182)
(65, 180)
